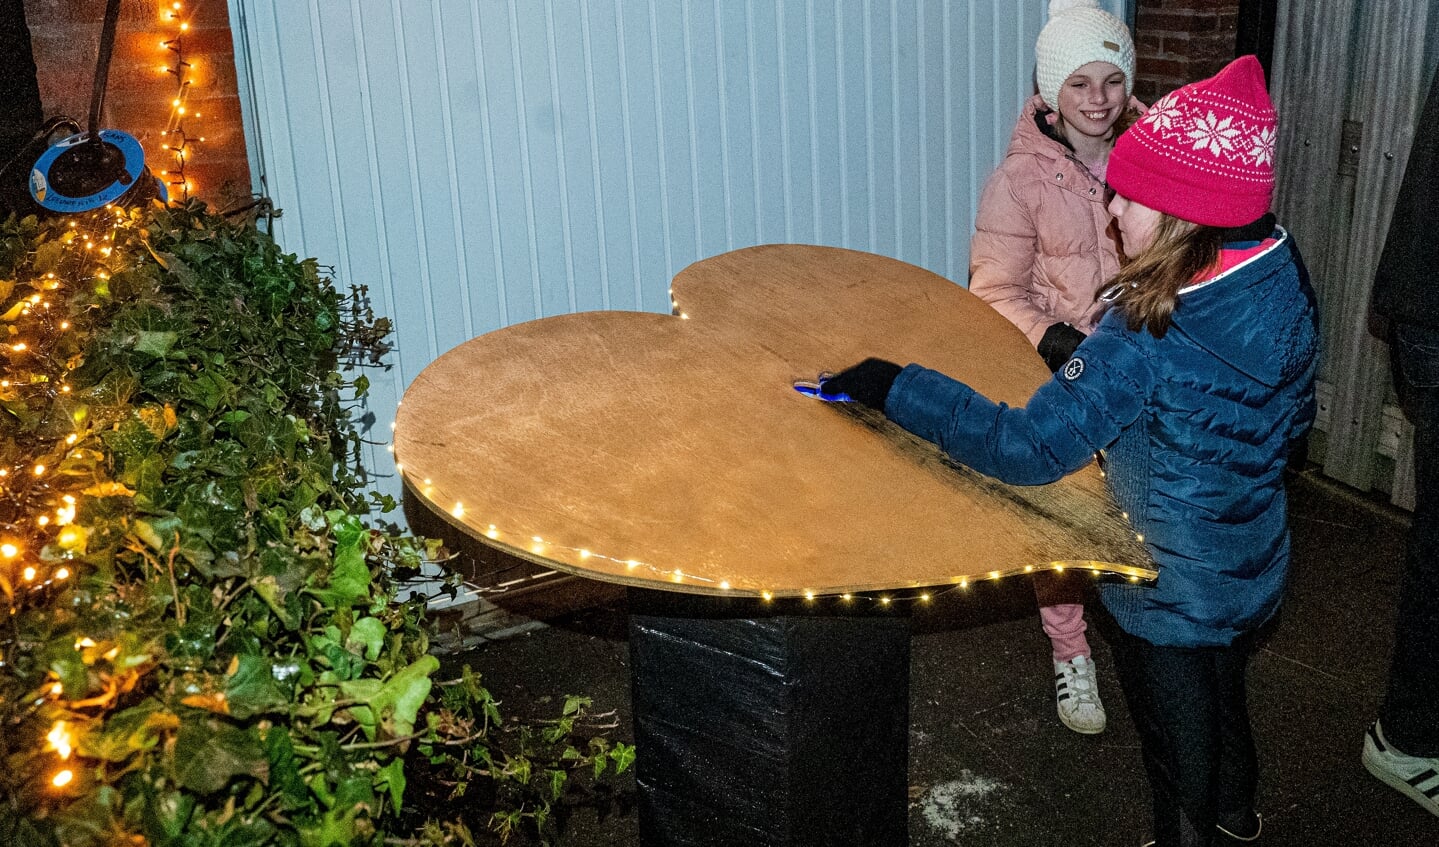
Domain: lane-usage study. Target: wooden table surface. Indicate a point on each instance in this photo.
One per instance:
(672, 452)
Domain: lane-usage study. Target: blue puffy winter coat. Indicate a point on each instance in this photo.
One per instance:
(1196, 426)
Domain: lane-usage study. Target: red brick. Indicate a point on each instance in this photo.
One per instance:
(1208, 5)
(1219, 48)
(1188, 5)
(1164, 22)
(1160, 68)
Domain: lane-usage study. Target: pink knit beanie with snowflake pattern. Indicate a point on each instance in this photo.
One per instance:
(1205, 152)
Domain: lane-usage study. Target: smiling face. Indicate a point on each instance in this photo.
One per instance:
(1092, 99)
(1137, 224)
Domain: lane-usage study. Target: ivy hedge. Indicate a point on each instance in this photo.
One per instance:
(206, 637)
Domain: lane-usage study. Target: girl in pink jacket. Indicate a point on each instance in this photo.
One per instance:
(1042, 249)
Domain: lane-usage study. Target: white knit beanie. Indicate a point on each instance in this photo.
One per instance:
(1079, 32)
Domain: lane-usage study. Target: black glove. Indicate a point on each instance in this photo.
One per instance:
(866, 383)
(1057, 345)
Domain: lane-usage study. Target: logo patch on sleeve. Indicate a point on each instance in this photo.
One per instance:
(1072, 368)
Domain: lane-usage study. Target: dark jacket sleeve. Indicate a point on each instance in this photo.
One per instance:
(1080, 411)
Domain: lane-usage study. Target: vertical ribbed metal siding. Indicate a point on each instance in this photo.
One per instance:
(1364, 62)
(477, 163)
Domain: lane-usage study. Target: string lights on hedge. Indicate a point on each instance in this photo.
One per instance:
(179, 141)
(39, 538)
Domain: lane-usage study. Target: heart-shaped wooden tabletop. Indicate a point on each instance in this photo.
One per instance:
(672, 451)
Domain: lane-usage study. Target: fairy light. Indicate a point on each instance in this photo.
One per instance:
(62, 779)
(555, 551)
(59, 738)
(180, 141)
(66, 513)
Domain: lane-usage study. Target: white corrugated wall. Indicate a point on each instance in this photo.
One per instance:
(477, 163)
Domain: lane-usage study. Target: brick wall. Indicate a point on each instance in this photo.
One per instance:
(1180, 41)
(65, 38)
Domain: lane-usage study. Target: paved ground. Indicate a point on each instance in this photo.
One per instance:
(991, 765)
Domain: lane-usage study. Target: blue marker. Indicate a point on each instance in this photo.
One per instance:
(815, 389)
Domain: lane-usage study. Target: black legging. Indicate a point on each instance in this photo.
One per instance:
(1189, 706)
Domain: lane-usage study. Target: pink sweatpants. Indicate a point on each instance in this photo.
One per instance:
(1063, 621)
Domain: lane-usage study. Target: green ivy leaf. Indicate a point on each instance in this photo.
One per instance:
(166, 813)
(349, 578)
(68, 666)
(396, 703)
(285, 769)
(367, 634)
(48, 256)
(391, 778)
(556, 783)
(252, 689)
(623, 756)
(127, 732)
(155, 344)
(336, 827)
(208, 754)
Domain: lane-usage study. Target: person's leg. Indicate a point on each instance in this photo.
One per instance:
(1061, 612)
(1172, 697)
(1412, 699)
(1401, 748)
(1238, 779)
(1076, 686)
(1129, 661)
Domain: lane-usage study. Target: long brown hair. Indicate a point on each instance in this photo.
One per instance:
(1147, 287)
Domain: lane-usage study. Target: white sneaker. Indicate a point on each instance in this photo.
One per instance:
(1076, 695)
(1415, 777)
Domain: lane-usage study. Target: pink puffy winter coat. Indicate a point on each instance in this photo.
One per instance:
(1041, 246)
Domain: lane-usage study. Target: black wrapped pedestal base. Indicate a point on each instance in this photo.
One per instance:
(760, 724)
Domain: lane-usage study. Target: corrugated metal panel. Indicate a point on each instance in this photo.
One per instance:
(1338, 192)
(1314, 54)
(477, 163)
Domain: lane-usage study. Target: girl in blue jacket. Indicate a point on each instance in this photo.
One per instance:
(1195, 384)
